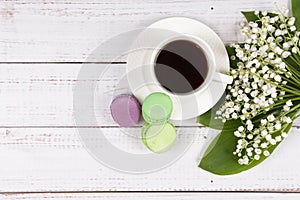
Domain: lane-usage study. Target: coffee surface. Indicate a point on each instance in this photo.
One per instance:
(181, 66)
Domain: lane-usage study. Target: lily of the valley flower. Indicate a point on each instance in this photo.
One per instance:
(263, 81)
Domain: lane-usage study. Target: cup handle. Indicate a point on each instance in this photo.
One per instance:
(222, 78)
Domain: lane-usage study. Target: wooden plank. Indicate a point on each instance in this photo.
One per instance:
(49, 160)
(42, 94)
(68, 31)
(155, 196)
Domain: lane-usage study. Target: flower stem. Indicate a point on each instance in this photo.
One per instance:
(272, 83)
(287, 112)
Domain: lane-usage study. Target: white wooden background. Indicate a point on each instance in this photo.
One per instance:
(42, 46)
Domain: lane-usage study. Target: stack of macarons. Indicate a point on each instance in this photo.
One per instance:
(158, 134)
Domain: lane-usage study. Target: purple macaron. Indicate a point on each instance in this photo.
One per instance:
(125, 110)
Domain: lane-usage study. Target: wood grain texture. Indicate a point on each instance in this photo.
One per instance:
(68, 31)
(155, 196)
(49, 160)
(48, 155)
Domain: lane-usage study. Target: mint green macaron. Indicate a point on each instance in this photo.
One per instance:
(158, 138)
(157, 108)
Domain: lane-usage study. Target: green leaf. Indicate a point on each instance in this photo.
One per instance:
(219, 158)
(296, 12)
(293, 65)
(208, 119)
(250, 16)
(231, 52)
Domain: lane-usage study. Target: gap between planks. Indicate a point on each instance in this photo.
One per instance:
(62, 63)
(157, 195)
(116, 127)
(157, 192)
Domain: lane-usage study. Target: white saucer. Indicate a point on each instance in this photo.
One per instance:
(142, 84)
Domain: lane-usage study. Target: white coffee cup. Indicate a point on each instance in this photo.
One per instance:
(212, 74)
(147, 46)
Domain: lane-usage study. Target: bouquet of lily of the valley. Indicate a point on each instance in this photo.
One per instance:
(260, 106)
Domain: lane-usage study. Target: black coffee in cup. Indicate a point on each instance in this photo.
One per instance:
(181, 66)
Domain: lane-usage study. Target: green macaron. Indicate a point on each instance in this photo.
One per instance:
(158, 138)
(157, 108)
